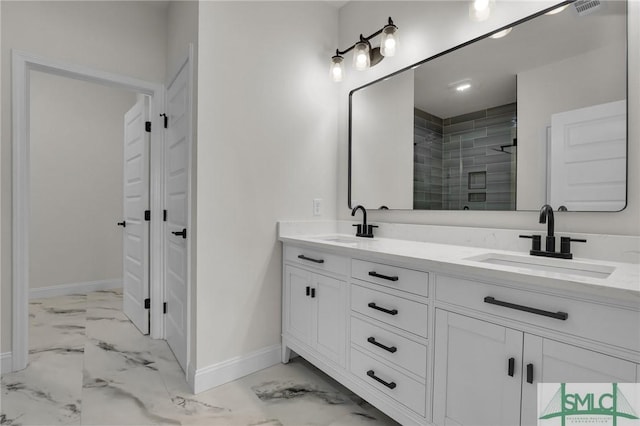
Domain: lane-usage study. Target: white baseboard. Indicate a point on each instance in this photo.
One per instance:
(232, 369)
(75, 288)
(5, 361)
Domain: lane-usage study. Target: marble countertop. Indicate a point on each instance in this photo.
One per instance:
(622, 285)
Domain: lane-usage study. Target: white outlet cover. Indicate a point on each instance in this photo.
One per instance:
(317, 206)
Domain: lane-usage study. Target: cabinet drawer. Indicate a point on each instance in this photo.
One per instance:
(391, 276)
(398, 386)
(316, 259)
(396, 311)
(390, 346)
(603, 323)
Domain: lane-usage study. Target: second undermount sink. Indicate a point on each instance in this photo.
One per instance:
(341, 239)
(569, 267)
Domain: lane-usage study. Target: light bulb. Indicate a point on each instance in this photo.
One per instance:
(479, 10)
(480, 5)
(389, 40)
(337, 68)
(361, 59)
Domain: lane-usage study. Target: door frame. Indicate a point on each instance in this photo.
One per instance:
(22, 63)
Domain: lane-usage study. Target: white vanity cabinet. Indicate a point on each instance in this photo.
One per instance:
(486, 371)
(315, 306)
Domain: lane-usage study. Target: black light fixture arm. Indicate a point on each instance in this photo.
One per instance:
(362, 38)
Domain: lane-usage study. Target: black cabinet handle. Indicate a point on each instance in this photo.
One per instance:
(391, 349)
(303, 257)
(372, 374)
(123, 223)
(557, 315)
(512, 366)
(313, 293)
(182, 233)
(384, 277)
(372, 305)
(308, 290)
(529, 373)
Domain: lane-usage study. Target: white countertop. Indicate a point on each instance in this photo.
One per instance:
(622, 285)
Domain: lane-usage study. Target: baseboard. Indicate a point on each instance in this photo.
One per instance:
(232, 369)
(75, 288)
(6, 362)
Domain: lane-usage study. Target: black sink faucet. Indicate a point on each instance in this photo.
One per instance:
(546, 216)
(363, 230)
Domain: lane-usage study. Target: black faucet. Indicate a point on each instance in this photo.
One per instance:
(546, 216)
(363, 230)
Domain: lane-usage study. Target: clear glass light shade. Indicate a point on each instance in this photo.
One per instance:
(389, 41)
(361, 58)
(337, 68)
(479, 10)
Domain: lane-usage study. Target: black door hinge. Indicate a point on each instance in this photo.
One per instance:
(164, 215)
(147, 303)
(166, 120)
(147, 126)
(164, 308)
(147, 215)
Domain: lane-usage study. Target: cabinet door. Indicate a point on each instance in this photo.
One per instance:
(472, 381)
(330, 310)
(298, 315)
(555, 362)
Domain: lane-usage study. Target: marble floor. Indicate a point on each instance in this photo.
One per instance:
(89, 365)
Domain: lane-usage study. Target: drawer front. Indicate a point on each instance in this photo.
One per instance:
(316, 259)
(415, 282)
(396, 311)
(397, 349)
(607, 324)
(403, 389)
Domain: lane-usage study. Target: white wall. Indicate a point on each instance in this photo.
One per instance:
(432, 26)
(554, 88)
(122, 37)
(266, 149)
(76, 136)
(382, 165)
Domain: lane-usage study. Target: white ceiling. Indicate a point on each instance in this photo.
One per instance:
(492, 64)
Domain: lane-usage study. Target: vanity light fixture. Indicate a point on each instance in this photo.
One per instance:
(479, 10)
(365, 56)
(502, 33)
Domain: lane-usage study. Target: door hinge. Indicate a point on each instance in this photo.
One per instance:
(147, 303)
(166, 120)
(147, 126)
(164, 215)
(147, 215)
(164, 308)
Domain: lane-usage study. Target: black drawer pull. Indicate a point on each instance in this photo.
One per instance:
(391, 349)
(512, 366)
(384, 277)
(308, 292)
(310, 259)
(529, 373)
(386, 311)
(557, 315)
(372, 374)
(313, 293)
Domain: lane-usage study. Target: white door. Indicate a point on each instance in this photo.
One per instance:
(298, 315)
(177, 201)
(136, 229)
(330, 328)
(555, 362)
(589, 158)
(477, 379)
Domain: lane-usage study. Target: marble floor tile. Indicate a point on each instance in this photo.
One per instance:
(89, 365)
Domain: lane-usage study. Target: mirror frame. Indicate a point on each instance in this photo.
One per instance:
(467, 43)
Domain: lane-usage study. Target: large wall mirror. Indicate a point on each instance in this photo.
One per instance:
(510, 123)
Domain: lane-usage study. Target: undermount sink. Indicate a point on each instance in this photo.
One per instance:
(559, 266)
(341, 239)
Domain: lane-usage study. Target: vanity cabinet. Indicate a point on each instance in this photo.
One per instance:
(314, 311)
(487, 373)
